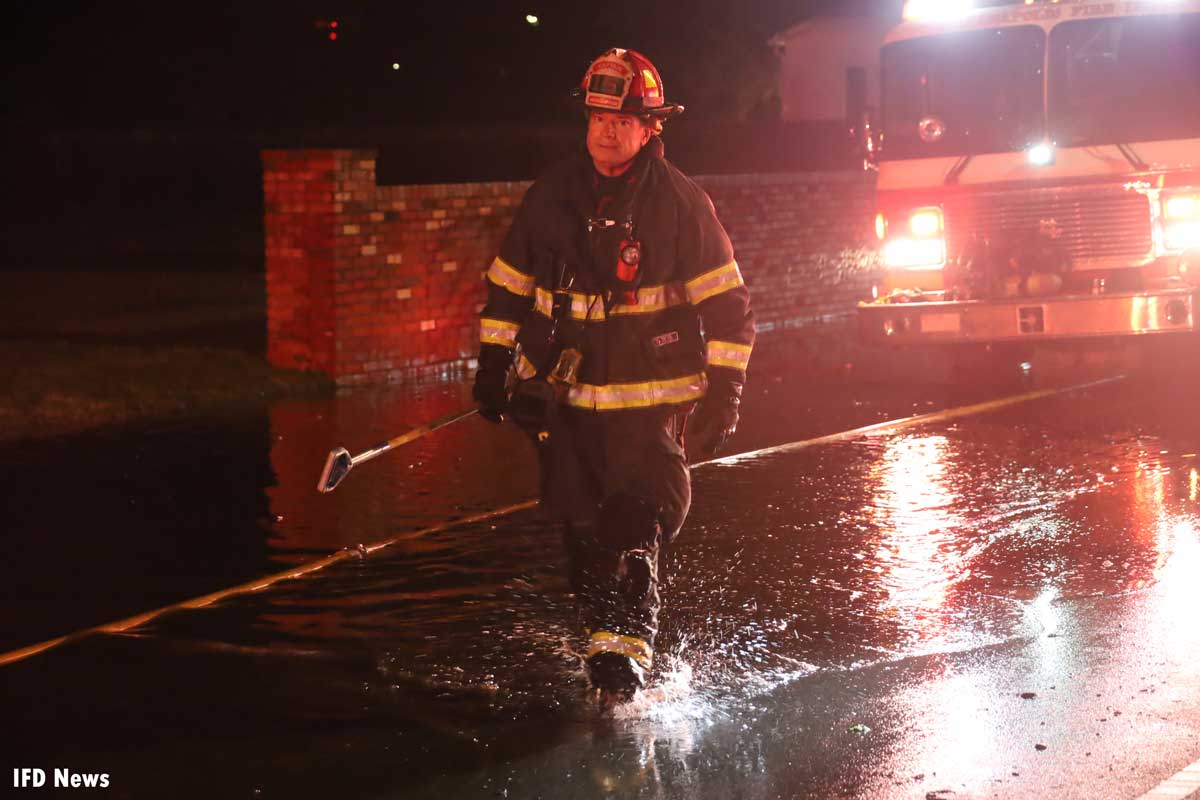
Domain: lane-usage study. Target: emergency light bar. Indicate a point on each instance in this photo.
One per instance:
(936, 10)
(1040, 154)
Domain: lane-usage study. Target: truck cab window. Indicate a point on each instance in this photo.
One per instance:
(1125, 79)
(985, 86)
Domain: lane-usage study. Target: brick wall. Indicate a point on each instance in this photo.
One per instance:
(802, 240)
(382, 283)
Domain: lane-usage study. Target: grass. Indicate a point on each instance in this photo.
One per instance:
(88, 350)
(61, 387)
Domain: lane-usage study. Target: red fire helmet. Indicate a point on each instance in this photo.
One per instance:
(625, 81)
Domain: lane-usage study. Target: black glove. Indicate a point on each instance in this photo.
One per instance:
(532, 403)
(491, 383)
(715, 419)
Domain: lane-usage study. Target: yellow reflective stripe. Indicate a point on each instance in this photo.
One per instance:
(729, 354)
(721, 279)
(525, 368)
(614, 396)
(498, 331)
(504, 274)
(582, 305)
(590, 306)
(654, 298)
(637, 649)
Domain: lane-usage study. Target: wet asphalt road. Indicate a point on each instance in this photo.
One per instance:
(1000, 604)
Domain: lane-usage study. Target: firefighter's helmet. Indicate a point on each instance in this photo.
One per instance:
(625, 81)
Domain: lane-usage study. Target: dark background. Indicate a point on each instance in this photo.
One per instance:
(133, 128)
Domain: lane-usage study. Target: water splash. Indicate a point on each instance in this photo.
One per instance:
(671, 699)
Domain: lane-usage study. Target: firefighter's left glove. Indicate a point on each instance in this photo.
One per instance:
(532, 403)
(715, 419)
(491, 384)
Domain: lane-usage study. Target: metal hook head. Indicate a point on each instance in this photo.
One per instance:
(337, 465)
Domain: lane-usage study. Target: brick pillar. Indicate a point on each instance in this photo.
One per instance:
(298, 189)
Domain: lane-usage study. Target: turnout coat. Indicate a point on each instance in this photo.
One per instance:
(686, 318)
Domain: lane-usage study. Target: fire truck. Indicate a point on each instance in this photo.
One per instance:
(1038, 172)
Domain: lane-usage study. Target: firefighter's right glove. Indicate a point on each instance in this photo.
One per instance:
(491, 384)
(715, 420)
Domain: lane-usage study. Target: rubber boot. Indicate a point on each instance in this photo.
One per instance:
(617, 666)
(613, 570)
(615, 678)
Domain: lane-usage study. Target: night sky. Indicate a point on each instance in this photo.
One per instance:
(136, 127)
(255, 65)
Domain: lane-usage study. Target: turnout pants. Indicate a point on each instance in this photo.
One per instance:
(620, 483)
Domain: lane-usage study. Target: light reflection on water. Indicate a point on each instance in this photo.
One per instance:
(914, 513)
(1061, 699)
(448, 663)
(470, 466)
(832, 562)
(949, 543)
(920, 577)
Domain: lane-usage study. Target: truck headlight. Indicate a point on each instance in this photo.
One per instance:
(1181, 221)
(921, 243)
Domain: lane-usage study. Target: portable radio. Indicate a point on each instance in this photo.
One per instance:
(629, 259)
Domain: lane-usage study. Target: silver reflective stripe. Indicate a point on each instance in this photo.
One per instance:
(721, 279)
(654, 298)
(498, 331)
(614, 396)
(525, 368)
(504, 274)
(729, 354)
(583, 306)
(591, 307)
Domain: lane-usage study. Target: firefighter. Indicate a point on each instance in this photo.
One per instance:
(615, 311)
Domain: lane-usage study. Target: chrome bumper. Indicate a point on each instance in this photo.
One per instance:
(1057, 317)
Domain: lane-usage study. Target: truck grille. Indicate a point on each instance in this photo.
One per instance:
(1101, 226)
